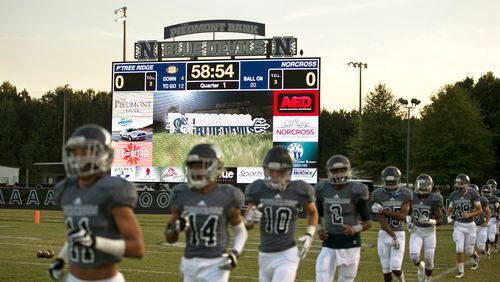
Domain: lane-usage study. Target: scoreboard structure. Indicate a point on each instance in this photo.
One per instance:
(162, 109)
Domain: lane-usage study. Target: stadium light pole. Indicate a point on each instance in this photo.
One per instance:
(123, 19)
(409, 106)
(64, 114)
(359, 65)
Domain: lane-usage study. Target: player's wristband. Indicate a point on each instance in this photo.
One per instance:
(115, 247)
(310, 230)
(357, 228)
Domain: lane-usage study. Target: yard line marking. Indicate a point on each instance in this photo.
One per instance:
(20, 238)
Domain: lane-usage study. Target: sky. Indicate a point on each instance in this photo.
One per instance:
(414, 47)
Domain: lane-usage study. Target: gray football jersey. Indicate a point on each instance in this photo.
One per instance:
(280, 209)
(90, 209)
(393, 201)
(339, 206)
(425, 206)
(463, 202)
(492, 204)
(208, 216)
(480, 219)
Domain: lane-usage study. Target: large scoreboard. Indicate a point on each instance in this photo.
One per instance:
(162, 109)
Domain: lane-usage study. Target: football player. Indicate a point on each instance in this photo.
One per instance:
(278, 199)
(494, 206)
(390, 206)
(463, 205)
(203, 208)
(340, 202)
(481, 222)
(495, 192)
(98, 210)
(425, 216)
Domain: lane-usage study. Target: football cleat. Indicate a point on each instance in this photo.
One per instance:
(421, 271)
(460, 275)
(475, 264)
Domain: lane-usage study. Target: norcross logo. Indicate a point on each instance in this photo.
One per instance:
(301, 132)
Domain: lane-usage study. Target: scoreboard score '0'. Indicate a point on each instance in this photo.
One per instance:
(217, 75)
(245, 107)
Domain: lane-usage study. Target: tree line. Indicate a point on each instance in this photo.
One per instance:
(458, 132)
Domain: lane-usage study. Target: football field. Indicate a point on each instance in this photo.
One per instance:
(20, 239)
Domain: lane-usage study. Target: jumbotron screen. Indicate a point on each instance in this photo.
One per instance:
(245, 107)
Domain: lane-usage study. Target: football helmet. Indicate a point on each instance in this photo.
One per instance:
(338, 169)
(277, 166)
(88, 151)
(424, 184)
(486, 191)
(391, 179)
(204, 164)
(492, 183)
(474, 187)
(462, 182)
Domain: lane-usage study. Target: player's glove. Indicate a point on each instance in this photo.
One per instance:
(423, 219)
(410, 227)
(82, 238)
(253, 216)
(56, 269)
(450, 219)
(395, 243)
(182, 222)
(377, 208)
(306, 241)
(230, 261)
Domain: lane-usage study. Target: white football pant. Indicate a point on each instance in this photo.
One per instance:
(203, 270)
(347, 261)
(280, 266)
(390, 259)
(464, 236)
(426, 237)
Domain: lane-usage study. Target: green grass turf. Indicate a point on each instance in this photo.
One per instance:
(20, 239)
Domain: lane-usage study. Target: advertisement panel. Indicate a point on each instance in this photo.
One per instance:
(125, 172)
(147, 174)
(120, 123)
(295, 128)
(309, 175)
(249, 174)
(228, 176)
(296, 103)
(304, 154)
(132, 154)
(173, 174)
(133, 104)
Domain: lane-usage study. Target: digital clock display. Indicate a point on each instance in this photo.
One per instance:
(213, 71)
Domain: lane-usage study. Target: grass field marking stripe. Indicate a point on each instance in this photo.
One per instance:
(20, 238)
(447, 272)
(23, 262)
